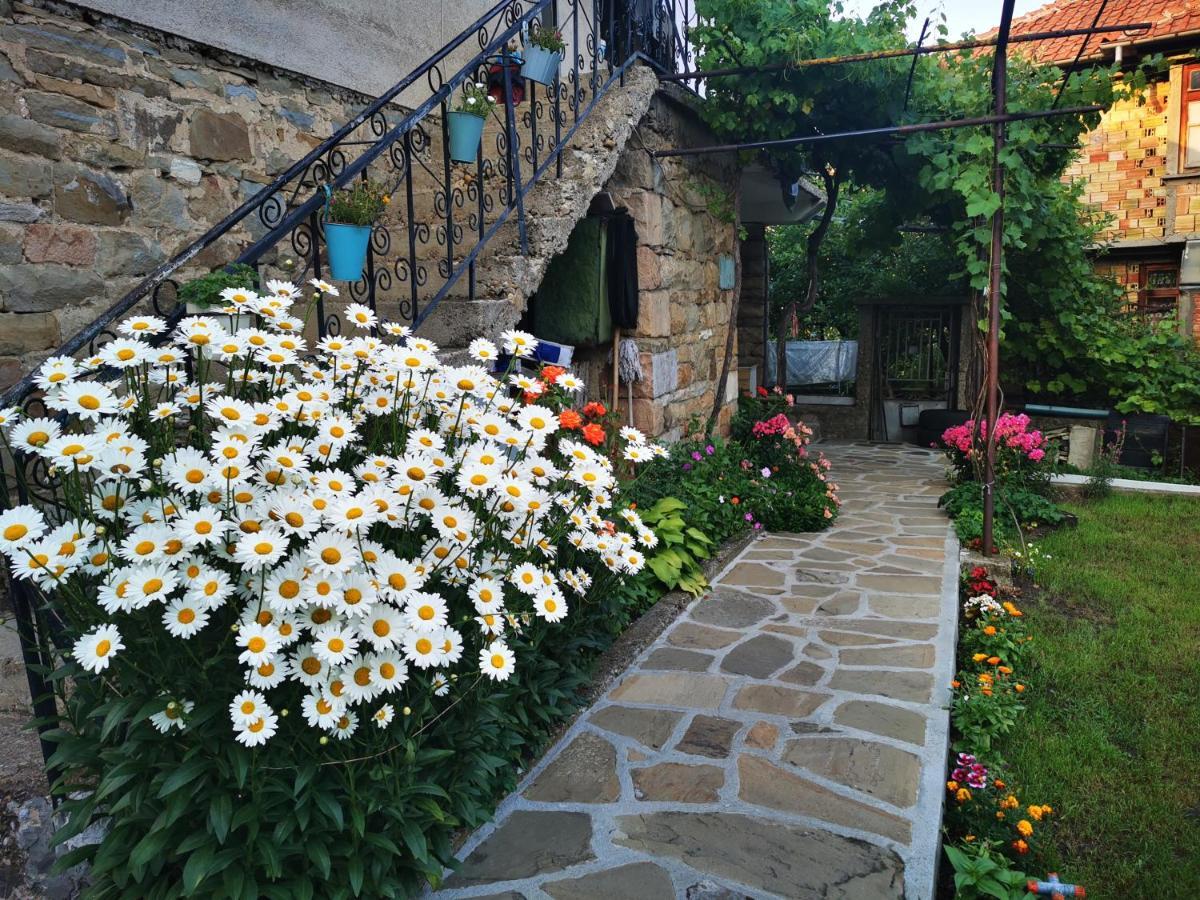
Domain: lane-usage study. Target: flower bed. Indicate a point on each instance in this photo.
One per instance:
(316, 603)
(990, 826)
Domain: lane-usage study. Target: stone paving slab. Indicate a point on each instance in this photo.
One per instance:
(785, 737)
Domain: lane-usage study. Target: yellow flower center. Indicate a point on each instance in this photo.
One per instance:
(15, 532)
(256, 644)
(424, 645)
(104, 648)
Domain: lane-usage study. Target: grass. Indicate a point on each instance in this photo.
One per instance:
(1111, 737)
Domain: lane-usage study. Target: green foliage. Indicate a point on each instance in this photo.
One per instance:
(475, 100)
(1014, 504)
(548, 39)
(979, 872)
(676, 562)
(206, 290)
(360, 204)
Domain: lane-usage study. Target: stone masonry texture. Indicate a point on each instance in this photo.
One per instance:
(785, 737)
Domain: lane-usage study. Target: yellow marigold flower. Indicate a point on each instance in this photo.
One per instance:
(952, 786)
(1000, 815)
(969, 838)
(1047, 810)
(990, 630)
(979, 657)
(1021, 847)
(1004, 670)
(1019, 688)
(1000, 785)
(1025, 828)
(993, 660)
(1011, 608)
(1035, 813)
(1009, 802)
(962, 795)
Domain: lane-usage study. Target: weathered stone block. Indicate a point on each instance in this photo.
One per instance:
(86, 45)
(127, 253)
(24, 177)
(88, 93)
(158, 202)
(678, 783)
(40, 288)
(20, 212)
(67, 112)
(526, 844)
(651, 727)
(27, 136)
(654, 313)
(584, 772)
(878, 769)
(106, 155)
(60, 244)
(11, 237)
(147, 125)
(217, 136)
(649, 268)
(185, 170)
(95, 199)
(636, 881)
(193, 78)
(23, 333)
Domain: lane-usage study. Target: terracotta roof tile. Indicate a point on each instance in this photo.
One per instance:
(1169, 17)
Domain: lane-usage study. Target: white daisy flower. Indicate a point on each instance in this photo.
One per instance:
(184, 618)
(384, 715)
(95, 650)
(334, 644)
(496, 661)
(172, 716)
(257, 732)
(20, 526)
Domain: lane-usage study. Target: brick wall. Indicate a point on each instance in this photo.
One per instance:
(1123, 164)
(116, 151)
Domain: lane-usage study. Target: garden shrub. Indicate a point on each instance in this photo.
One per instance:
(312, 614)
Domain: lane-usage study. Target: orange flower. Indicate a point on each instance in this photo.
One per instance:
(570, 419)
(969, 838)
(593, 434)
(1011, 609)
(979, 657)
(734, 500)
(952, 786)
(993, 660)
(1009, 802)
(1047, 810)
(1005, 670)
(962, 795)
(550, 373)
(1019, 688)
(1000, 815)
(956, 684)
(1025, 828)
(990, 630)
(1000, 785)
(594, 410)
(987, 692)
(1035, 813)
(531, 397)
(1021, 847)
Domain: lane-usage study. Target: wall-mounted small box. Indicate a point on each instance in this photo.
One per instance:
(725, 272)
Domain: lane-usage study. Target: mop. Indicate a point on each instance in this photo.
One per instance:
(630, 369)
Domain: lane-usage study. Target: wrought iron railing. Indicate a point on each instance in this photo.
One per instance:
(447, 212)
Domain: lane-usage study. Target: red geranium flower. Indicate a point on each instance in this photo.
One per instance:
(568, 418)
(762, 391)
(595, 410)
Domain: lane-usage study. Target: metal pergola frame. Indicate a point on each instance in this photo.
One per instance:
(998, 119)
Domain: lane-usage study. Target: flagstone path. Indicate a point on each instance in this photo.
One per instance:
(785, 737)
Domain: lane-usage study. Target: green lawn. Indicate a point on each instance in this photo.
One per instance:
(1111, 738)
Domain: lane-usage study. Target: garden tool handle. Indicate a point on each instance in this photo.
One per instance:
(1054, 888)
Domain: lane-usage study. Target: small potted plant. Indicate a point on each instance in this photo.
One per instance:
(465, 123)
(349, 216)
(543, 53)
(222, 290)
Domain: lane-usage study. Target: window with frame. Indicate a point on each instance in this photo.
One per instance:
(1189, 114)
(1158, 288)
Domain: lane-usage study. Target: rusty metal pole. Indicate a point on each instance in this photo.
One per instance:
(1000, 96)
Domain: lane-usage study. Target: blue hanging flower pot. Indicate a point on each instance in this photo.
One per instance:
(541, 65)
(347, 246)
(465, 131)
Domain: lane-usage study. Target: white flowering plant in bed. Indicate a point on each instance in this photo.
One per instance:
(308, 550)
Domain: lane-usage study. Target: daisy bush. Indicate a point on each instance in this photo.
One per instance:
(312, 600)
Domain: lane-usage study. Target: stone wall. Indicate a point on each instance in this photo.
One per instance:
(116, 152)
(683, 314)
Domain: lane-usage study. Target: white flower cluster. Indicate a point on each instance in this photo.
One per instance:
(982, 605)
(352, 513)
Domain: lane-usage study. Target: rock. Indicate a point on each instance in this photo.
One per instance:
(20, 212)
(816, 651)
(88, 45)
(10, 244)
(759, 657)
(765, 784)
(60, 244)
(24, 178)
(884, 771)
(841, 639)
(41, 288)
(216, 136)
(729, 609)
(147, 125)
(909, 656)
(916, 687)
(24, 332)
(675, 658)
(748, 574)
(299, 118)
(678, 783)
(127, 253)
(778, 701)
(527, 844)
(762, 736)
(805, 673)
(27, 136)
(927, 584)
(241, 90)
(844, 604)
(710, 890)
(191, 78)
(185, 170)
(106, 155)
(880, 718)
(635, 881)
(911, 631)
(902, 606)
(652, 727)
(584, 772)
(95, 199)
(709, 736)
(67, 112)
(686, 634)
(159, 204)
(672, 689)
(787, 860)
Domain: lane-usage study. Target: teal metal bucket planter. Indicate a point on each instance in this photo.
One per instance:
(540, 65)
(465, 131)
(347, 246)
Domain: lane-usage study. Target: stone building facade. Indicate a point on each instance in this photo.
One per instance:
(121, 144)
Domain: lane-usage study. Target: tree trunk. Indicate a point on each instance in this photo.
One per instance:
(813, 292)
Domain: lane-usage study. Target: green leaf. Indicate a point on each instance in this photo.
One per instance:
(220, 812)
